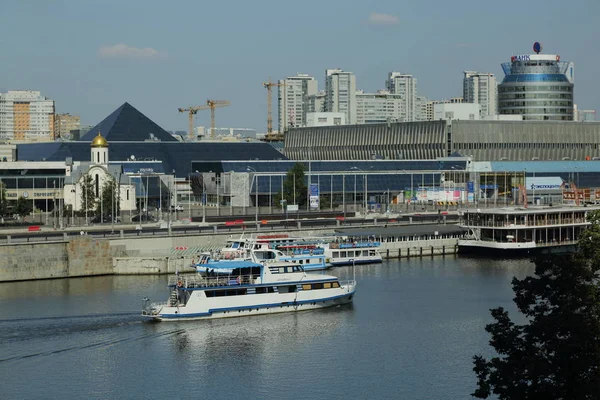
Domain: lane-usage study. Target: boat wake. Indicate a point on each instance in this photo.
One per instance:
(29, 332)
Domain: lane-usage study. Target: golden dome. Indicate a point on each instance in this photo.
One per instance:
(99, 141)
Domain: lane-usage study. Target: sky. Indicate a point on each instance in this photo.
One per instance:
(91, 56)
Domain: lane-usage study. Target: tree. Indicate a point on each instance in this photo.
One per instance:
(108, 201)
(88, 195)
(294, 180)
(3, 200)
(23, 207)
(556, 355)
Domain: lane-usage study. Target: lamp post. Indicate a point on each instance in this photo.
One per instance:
(203, 199)
(74, 191)
(356, 169)
(248, 168)
(189, 198)
(53, 202)
(112, 205)
(344, 194)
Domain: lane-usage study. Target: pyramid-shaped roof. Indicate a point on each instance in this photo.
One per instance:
(127, 124)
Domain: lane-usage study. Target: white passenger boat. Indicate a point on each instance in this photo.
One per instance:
(251, 289)
(350, 252)
(518, 231)
(241, 248)
(312, 259)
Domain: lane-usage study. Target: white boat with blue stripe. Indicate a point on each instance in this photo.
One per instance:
(250, 288)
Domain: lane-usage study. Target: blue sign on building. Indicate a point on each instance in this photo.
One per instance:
(314, 189)
(470, 187)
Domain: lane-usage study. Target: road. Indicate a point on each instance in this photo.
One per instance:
(48, 234)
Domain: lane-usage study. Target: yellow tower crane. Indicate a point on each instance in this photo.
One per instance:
(191, 112)
(212, 104)
(269, 85)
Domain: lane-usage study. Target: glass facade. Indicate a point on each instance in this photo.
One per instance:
(539, 90)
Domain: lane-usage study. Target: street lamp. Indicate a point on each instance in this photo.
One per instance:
(203, 199)
(356, 169)
(74, 191)
(248, 168)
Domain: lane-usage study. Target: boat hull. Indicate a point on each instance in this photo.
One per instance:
(186, 313)
(344, 262)
(510, 250)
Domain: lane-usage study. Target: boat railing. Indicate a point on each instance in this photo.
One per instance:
(336, 245)
(347, 284)
(200, 281)
(536, 223)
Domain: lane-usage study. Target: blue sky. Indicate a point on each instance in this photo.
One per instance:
(91, 55)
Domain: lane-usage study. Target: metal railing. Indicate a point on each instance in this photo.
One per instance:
(198, 281)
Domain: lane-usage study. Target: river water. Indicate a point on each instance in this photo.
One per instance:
(410, 334)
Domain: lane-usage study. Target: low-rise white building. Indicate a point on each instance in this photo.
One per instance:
(454, 111)
(325, 118)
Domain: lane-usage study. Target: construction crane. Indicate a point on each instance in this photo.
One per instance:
(269, 85)
(212, 104)
(191, 112)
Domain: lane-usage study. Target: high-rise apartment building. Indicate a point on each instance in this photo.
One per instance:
(26, 115)
(481, 88)
(64, 124)
(316, 102)
(382, 106)
(537, 86)
(293, 100)
(340, 93)
(406, 86)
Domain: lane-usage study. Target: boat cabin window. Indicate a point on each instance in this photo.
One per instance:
(265, 289)
(228, 292)
(286, 289)
(324, 285)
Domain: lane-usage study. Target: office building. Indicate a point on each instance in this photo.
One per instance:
(293, 103)
(26, 115)
(64, 124)
(481, 88)
(340, 93)
(406, 86)
(382, 106)
(537, 86)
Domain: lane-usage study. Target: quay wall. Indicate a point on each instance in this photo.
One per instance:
(82, 256)
(87, 256)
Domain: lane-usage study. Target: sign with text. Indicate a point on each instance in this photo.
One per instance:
(314, 196)
(292, 207)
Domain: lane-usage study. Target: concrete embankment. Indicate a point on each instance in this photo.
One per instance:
(87, 256)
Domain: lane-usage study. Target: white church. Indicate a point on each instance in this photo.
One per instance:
(100, 171)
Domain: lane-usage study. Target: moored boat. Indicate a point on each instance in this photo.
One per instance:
(350, 252)
(522, 232)
(249, 289)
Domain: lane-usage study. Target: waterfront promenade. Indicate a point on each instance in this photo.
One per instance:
(152, 250)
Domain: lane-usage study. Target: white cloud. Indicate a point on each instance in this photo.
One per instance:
(121, 50)
(383, 19)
